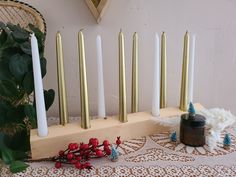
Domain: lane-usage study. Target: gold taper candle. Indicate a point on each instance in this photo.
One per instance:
(134, 94)
(184, 82)
(122, 84)
(163, 71)
(85, 119)
(63, 111)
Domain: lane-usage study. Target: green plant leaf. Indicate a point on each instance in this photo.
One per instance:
(13, 27)
(49, 98)
(8, 52)
(20, 141)
(18, 166)
(7, 155)
(2, 25)
(31, 114)
(18, 66)
(2, 144)
(8, 43)
(28, 82)
(43, 64)
(18, 33)
(16, 114)
(8, 89)
(3, 112)
(28, 60)
(3, 37)
(20, 155)
(38, 33)
(26, 47)
(5, 73)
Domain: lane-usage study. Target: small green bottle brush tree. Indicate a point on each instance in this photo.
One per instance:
(17, 103)
(227, 141)
(191, 109)
(173, 137)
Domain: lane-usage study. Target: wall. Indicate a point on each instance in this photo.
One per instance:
(212, 20)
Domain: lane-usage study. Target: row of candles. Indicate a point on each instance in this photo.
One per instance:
(159, 80)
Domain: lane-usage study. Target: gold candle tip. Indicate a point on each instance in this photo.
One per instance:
(58, 34)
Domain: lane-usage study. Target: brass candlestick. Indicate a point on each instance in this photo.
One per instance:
(134, 92)
(85, 120)
(184, 82)
(122, 84)
(163, 71)
(61, 81)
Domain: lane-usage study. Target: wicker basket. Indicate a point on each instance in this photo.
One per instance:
(17, 12)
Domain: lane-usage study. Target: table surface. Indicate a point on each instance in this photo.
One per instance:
(152, 155)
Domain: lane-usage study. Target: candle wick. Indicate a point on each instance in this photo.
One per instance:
(82, 29)
(120, 30)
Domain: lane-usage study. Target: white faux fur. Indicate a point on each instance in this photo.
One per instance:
(217, 120)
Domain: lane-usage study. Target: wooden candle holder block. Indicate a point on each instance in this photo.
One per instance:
(139, 124)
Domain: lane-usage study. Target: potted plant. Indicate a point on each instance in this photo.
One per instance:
(17, 103)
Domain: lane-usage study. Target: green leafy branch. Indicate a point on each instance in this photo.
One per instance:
(17, 102)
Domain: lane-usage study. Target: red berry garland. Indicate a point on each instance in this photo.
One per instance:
(78, 155)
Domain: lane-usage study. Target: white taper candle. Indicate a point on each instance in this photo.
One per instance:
(156, 79)
(191, 68)
(38, 89)
(101, 97)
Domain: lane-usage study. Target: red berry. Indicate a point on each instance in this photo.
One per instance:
(81, 153)
(61, 153)
(91, 140)
(83, 146)
(76, 145)
(106, 143)
(108, 151)
(87, 164)
(99, 153)
(71, 146)
(82, 166)
(58, 164)
(95, 142)
(86, 146)
(105, 148)
(78, 158)
(73, 161)
(78, 165)
(70, 155)
(118, 141)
